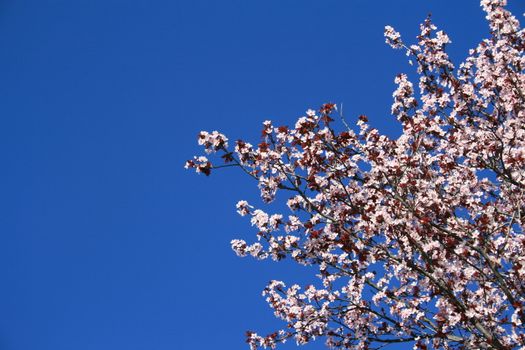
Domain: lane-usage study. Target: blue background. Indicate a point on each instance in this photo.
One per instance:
(106, 242)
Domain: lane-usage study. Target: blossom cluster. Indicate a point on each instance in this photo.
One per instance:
(417, 239)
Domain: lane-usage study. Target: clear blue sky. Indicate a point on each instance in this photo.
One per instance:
(106, 242)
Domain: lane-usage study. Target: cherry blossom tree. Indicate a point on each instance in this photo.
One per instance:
(417, 240)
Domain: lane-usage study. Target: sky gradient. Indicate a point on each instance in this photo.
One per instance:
(106, 242)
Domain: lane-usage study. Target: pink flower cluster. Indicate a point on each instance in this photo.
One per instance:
(212, 142)
(418, 239)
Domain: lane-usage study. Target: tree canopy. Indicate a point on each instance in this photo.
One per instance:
(417, 239)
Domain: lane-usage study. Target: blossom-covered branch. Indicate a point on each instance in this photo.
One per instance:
(417, 239)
